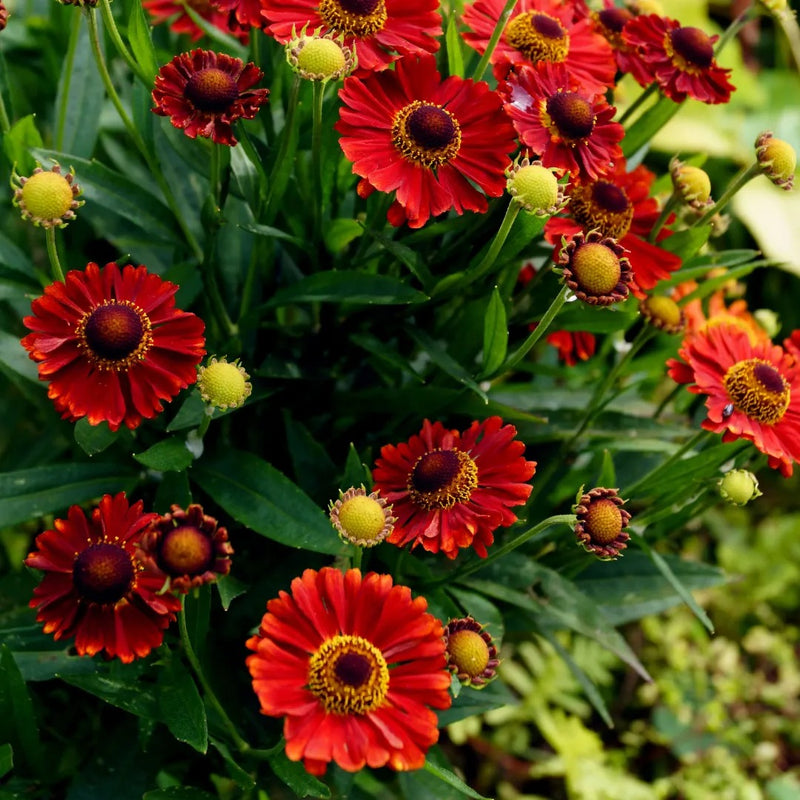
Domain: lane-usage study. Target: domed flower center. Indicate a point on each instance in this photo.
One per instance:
(442, 478)
(103, 573)
(321, 56)
(571, 115)
(362, 517)
(538, 36)
(535, 187)
(359, 18)
(185, 550)
(614, 19)
(426, 134)
(757, 390)
(115, 335)
(211, 89)
(603, 521)
(47, 195)
(690, 49)
(602, 206)
(348, 675)
(663, 312)
(468, 652)
(596, 269)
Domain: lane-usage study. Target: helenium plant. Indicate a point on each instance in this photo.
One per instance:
(352, 345)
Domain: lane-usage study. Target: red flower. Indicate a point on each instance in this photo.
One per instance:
(752, 390)
(619, 205)
(680, 59)
(567, 127)
(354, 665)
(163, 10)
(609, 22)
(429, 140)
(204, 93)
(245, 13)
(95, 588)
(449, 489)
(112, 344)
(573, 345)
(381, 30)
(541, 31)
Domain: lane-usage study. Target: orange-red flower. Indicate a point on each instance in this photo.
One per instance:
(573, 345)
(381, 30)
(752, 390)
(680, 59)
(541, 31)
(244, 13)
(112, 344)
(450, 490)
(204, 93)
(430, 141)
(354, 665)
(95, 587)
(566, 126)
(165, 10)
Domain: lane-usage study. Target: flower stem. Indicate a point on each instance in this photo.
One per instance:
(672, 201)
(52, 252)
(745, 175)
(67, 71)
(280, 165)
(318, 89)
(637, 103)
(111, 27)
(494, 39)
(210, 696)
(733, 29)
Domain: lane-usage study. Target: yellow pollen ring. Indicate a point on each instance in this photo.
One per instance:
(346, 22)
(592, 215)
(757, 390)
(348, 675)
(418, 153)
(115, 364)
(457, 488)
(538, 36)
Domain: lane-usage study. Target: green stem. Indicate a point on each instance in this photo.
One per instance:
(733, 29)
(67, 70)
(133, 132)
(358, 554)
(5, 122)
(538, 332)
(52, 252)
(283, 149)
(745, 175)
(214, 176)
(672, 201)
(210, 696)
(637, 103)
(318, 90)
(112, 30)
(494, 39)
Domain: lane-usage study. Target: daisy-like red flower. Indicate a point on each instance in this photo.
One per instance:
(381, 30)
(752, 390)
(573, 346)
(450, 490)
(163, 11)
(355, 665)
(95, 588)
(245, 13)
(566, 126)
(204, 93)
(426, 139)
(619, 205)
(112, 344)
(680, 59)
(543, 31)
(609, 22)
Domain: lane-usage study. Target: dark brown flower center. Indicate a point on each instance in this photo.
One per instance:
(103, 573)
(614, 19)
(358, 18)
(185, 550)
(442, 478)
(348, 675)
(602, 206)
(426, 134)
(211, 89)
(538, 36)
(692, 46)
(115, 335)
(757, 390)
(572, 116)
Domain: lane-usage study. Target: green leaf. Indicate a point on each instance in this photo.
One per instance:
(17, 719)
(347, 286)
(314, 471)
(190, 414)
(257, 495)
(229, 589)
(294, 775)
(169, 454)
(471, 702)
(338, 233)
(178, 793)
(30, 493)
(181, 706)
(14, 356)
(495, 334)
(18, 142)
(356, 472)
(451, 779)
(386, 353)
(141, 41)
(243, 778)
(93, 439)
(44, 665)
(455, 57)
(134, 697)
(608, 475)
(686, 243)
(649, 123)
(274, 233)
(405, 255)
(6, 759)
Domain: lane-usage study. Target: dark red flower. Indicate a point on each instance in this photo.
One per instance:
(112, 344)
(95, 587)
(204, 93)
(680, 59)
(246, 13)
(165, 10)
(450, 490)
(752, 390)
(381, 30)
(565, 126)
(354, 665)
(430, 141)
